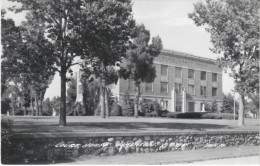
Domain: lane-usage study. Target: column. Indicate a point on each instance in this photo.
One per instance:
(203, 107)
(173, 100)
(184, 101)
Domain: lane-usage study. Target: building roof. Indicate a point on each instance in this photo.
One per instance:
(184, 55)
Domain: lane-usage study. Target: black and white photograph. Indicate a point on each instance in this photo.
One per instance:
(130, 82)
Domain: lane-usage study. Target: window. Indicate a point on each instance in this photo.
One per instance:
(177, 72)
(191, 89)
(191, 74)
(202, 75)
(214, 92)
(203, 91)
(164, 104)
(131, 84)
(178, 108)
(164, 87)
(191, 106)
(148, 86)
(164, 70)
(214, 77)
(178, 88)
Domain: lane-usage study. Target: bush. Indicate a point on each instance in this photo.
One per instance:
(186, 115)
(163, 113)
(152, 114)
(127, 105)
(219, 116)
(6, 133)
(5, 105)
(149, 106)
(116, 110)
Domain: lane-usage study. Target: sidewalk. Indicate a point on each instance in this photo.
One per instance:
(252, 160)
(180, 157)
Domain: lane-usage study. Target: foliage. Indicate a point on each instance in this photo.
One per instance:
(5, 105)
(139, 60)
(116, 110)
(228, 104)
(219, 116)
(148, 106)
(6, 133)
(186, 115)
(208, 107)
(127, 105)
(91, 30)
(233, 26)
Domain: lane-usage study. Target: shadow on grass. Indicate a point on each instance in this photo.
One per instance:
(27, 126)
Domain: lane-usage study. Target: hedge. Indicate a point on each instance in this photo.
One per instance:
(186, 115)
(201, 115)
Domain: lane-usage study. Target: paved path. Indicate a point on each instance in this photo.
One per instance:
(210, 156)
(252, 160)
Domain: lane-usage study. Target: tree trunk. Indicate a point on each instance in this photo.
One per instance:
(106, 101)
(62, 122)
(24, 111)
(41, 107)
(137, 101)
(32, 105)
(14, 106)
(241, 115)
(37, 106)
(102, 101)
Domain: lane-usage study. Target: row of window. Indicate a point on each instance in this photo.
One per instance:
(191, 73)
(178, 88)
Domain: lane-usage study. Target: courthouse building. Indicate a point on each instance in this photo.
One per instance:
(183, 83)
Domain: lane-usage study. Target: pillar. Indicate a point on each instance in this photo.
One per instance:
(184, 101)
(203, 107)
(173, 100)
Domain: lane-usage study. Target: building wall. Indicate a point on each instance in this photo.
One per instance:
(175, 59)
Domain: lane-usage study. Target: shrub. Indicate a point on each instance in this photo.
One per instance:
(127, 105)
(219, 116)
(152, 114)
(163, 113)
(186, 115)
(149, 106)
(5, 105)
(116, 110)
(6, 133)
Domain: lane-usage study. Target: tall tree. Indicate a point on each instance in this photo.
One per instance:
(85, 29)
(234, 30)
(140, 60)
(27, 57)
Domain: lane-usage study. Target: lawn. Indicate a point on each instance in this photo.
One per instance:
(47, 124)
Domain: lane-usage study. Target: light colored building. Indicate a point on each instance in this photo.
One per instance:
(183, 83)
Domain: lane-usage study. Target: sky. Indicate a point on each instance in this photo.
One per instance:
(166, 18)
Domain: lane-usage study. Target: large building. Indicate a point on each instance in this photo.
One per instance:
(183, 83)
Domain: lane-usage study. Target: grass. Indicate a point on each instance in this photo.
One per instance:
(126, 124)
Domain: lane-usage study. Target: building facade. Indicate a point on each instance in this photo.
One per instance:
(183, 83)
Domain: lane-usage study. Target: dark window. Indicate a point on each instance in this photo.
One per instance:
(214, 91)
(164, 70)
(178, 88)
(164, 87)
(214, 77)
(191, 74)
(202, 75)
(148, 86)
(203, 91)
(177, 72)
(191, 89)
